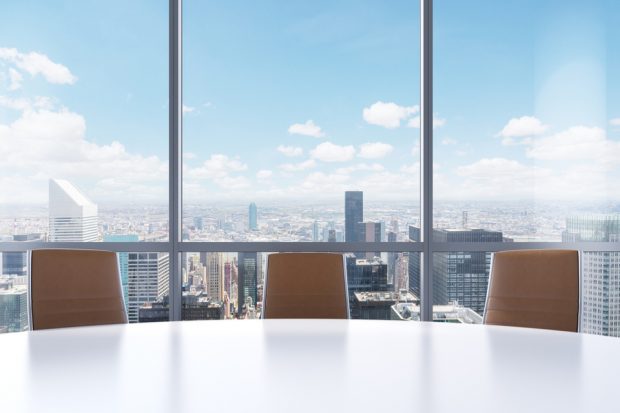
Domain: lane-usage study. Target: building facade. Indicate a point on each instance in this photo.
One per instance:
(600, 273)
(72, 216)
(148, 280)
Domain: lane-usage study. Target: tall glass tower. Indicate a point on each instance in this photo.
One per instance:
(253, 217)
(353, 214)
(600, 273)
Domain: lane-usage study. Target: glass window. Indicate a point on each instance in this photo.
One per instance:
(526, 141)
(83, 120)
(220, 285)
(301, 120)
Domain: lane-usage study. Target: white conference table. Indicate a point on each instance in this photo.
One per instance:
(307, 366)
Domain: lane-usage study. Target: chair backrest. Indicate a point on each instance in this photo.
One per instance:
(306, 285)
(534, 288)
(70, 288)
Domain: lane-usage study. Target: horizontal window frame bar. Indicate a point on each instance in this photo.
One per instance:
(507, 246)
(17, 246)
(342, 247)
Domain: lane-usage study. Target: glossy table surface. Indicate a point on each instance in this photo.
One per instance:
(308, 366)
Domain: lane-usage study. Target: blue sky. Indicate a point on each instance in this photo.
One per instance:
(525, 99)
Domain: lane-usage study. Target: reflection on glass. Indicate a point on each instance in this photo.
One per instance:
(528, 139)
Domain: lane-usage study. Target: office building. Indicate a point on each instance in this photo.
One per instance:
(13, 305)
(72, 216)
(448, 313)
(253, 217)
(16, 262)
(123, 259)
(365, 275)
(370, 232)
(369, 305)
(148, 280)
(600, 272)
(414, 263)
(194, 306)
(215, 276)
(391, 257)
(462, 277)
(248, 279)
(315, 231)
(198, 224)
(353, 214)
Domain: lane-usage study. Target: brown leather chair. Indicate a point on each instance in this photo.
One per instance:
(305, 285)
(70, 288)
(534, 288)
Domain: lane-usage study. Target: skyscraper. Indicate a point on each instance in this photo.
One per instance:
(13, 306)
(391, 257)
(414, 263)
(365, 276)
(253, 217)
(123, 259)
(315, 231)
(600, 273)
(73, 217)
(248, 279)
(462, 276)
(370, 232)
(148, 277)
(353, 214)
(215, 276)
(15, 262)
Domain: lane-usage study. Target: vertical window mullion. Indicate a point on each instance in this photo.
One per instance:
(426, 153)
(175, 162)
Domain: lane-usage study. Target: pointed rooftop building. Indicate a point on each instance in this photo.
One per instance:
(73, 217)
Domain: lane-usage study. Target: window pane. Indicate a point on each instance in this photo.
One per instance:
(526, 137)
(144, 280)
(287, 106)
(219, 285)
(84, 119)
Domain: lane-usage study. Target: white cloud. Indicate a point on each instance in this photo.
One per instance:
(438, 122)
(374, 150)
(411, 169)
(415, 122)
(301, 166)
(576, 143)
(375, 167)
(218, 169)
(188, 109)
(264, 174)
(523, 127)
(506, 179)
(614, 122)
(16, 104)
(389, 115)
(189, 155)
(219, 163)
(449, 141)
(44, 143)
(318, 182)
(307, 129)
(16, 79)
(290, 151)
(329, 152)
(36, 63)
